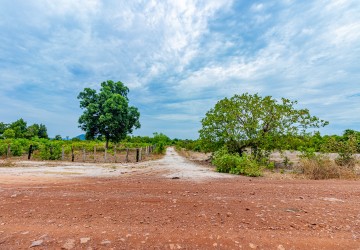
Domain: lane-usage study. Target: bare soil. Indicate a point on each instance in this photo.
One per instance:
(171, 203)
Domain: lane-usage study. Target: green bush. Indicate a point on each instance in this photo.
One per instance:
(16, 148)
(160, 148)
(236, 164)
(225, 161)
(346, 150)
(307, 153)
(50, 151)
(3, 148)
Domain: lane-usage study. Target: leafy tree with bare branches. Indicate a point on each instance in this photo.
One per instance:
(251, 121)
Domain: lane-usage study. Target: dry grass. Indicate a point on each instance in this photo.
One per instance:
(7, 164)
(322, 168)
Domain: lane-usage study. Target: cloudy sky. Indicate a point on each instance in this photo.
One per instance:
(178, 58)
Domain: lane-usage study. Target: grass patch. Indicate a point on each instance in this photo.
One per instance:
(321, 167)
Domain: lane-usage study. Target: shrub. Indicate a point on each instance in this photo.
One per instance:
(345, 149)
(225, 161)
(16, 148)
(247, 166)
(270, 166)
(235, 164)
(50, 151)
(321, 167)
(3, 148)
(307, 153)
(160, 148)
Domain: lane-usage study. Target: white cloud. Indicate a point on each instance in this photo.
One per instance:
(182, 56)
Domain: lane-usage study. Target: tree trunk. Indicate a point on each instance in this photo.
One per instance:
(107, 144)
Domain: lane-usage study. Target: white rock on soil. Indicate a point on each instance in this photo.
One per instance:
(69, 244)
(36, 243)
(84, 240)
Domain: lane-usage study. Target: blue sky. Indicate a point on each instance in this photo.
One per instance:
(178, 58)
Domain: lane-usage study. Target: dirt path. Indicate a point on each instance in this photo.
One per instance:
(171, 165)
(142, 206)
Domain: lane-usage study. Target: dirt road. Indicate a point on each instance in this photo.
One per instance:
(171, 204)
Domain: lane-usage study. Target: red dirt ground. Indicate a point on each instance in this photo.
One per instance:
(149, 210)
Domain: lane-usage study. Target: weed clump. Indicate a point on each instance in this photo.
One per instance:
(321, 167)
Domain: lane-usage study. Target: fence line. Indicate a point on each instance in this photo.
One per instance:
(99, 154)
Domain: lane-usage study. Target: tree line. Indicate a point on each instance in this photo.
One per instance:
(240, 131)
(19, 129)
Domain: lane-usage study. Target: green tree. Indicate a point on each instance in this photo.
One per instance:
(42, 133)
(3, 127)
(36, 130)
(108, 113)
(253, 121)
(19, 128)
(161, 138)
(31, 131)
(57, 138)
(9, 134)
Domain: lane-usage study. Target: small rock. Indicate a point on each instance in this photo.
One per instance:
(69, 244)
(332, 199)
(169, 192)
(13, 196)
(105, 242)
(36, 243)
(175, 178)
(84, 240)
(228, 214)
(252, 246)
(280, 247)
(26, 232)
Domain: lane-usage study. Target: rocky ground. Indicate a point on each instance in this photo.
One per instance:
(171, 203)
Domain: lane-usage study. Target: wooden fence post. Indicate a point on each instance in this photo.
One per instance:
(8, 151)
(127, 155)
(115, 153)
(140, 154)
(105, 154)
(30, 151)
(94, 153)
(137, 155)
(84, 155)
(72, 153)
(63, 153)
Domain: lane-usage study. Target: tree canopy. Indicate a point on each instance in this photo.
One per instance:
(253, 121)
(19, 129)
(108, 113)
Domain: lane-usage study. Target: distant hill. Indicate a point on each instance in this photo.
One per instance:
(81, 137)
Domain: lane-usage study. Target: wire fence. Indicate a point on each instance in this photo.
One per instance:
(76, 152)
